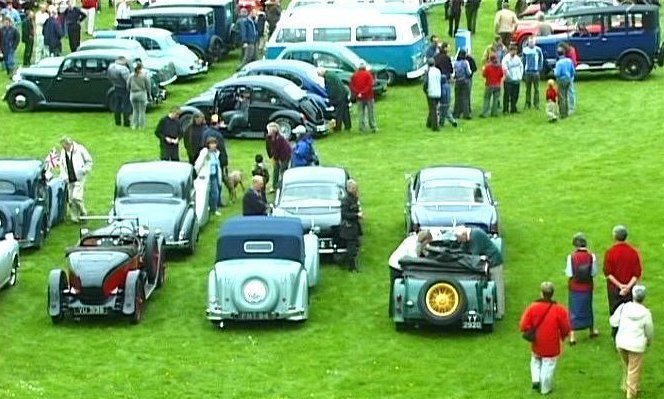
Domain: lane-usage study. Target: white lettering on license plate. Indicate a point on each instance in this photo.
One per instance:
(473, 321)
(90, 310)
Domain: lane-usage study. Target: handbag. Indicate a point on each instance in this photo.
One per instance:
(532, 332)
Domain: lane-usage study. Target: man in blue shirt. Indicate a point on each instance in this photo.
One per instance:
(248, 37)
(533, 62)
(564, 72)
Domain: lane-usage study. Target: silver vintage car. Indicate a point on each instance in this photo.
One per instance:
(264, 270)
(9, 252)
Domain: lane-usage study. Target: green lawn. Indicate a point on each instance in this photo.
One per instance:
(599, 168)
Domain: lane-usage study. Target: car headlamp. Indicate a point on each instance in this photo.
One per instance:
(254, 291)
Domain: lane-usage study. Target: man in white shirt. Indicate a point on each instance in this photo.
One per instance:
(513, 68)
(40, 19)
(432, 90)
(75, 165)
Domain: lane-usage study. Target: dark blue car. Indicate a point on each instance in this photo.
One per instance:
(303, 74)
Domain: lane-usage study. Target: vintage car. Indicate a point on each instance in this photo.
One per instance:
(36, 204)
(9, 250)
(626, 38)
(303, 74)
(444, 288)
(165, 197)
(164, 69)
(443, 196)
(159, 43)
(111, 270)
(335, 58)
(264, 270)
(562, 7)
(313, 194)
(272, 99)
(78, 80)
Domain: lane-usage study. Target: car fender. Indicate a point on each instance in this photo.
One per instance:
(636, 51)
(55, 278)
(188, 109)
(213, 295)
(128, 305)
(398, 300)
(286, 113)
(57, 190)
(188, 225)
(311, 258)
(302, 298)
(28, 85)
(267, 304)
(35, 220)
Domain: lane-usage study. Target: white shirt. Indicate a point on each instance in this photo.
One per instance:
(80, 159)
(433, 82)
(513, 68)
(408, 247)
(40, 20)
(635, 328)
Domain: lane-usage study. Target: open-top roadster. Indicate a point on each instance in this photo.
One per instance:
(114, 269)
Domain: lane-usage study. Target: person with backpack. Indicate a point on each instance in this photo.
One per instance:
(581, 269)
(304, 153)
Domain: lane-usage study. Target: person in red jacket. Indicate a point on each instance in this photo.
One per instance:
(552, 324)
(580, 270)
(89, 8)
(362, 87)
(493, 80)
(622, 268)
(551, 100)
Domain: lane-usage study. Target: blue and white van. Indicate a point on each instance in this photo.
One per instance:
(393, 39)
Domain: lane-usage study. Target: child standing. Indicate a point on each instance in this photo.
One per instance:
(551, 101)
(260, 169)
(445, 99)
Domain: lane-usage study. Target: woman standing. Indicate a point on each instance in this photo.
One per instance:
(208, 169)
(581, 268)
(41, 51)
(138, 85)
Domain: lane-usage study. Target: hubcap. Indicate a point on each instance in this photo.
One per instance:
(20, 100)
(442, 299)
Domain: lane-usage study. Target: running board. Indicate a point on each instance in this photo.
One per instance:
(150, 289)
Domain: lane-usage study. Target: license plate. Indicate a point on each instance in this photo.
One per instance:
(90, 310)
(473, 321)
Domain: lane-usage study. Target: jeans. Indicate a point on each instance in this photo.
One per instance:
(121, 106)
(10, 61)
(633, 364)
(491, 100)
(278, 169)
(446, 115)
(542, 370)
(531, 79)
(462, 99)
(563, 96)
(367, 107)
(571, 101)
(511, 96)
(215, 192)
(433, 120)
(139, 103)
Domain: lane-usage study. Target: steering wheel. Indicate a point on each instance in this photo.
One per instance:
(120, 230)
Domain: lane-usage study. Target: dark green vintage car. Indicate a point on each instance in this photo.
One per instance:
(78, 80)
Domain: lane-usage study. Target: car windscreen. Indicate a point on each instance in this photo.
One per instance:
(351, 56)
(7, 187)
(317, 191)
(150, 189)
(453, 193)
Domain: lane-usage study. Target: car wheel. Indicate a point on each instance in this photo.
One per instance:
(152, 260)
(139, 302)
(13, 274)
(442, 302)
(216, 49)
(634, 67)
(41, 234)
(21, 100)
(285, 127)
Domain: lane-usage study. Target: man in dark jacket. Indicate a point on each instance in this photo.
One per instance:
(193, 138)
(118, 74)
(254, 202)
(73, 17)
(455, 16)
(273, 13)
(169, 133)
(351, 229)
(279, 150)
(53, 35)
(248, 37)
(338, 94)
(443, 61)
(28, 37)
(9, 41)
(472, 6)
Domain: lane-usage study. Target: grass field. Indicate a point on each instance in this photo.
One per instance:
(598, 168)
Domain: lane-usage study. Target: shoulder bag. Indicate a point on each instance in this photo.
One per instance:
(532, 332)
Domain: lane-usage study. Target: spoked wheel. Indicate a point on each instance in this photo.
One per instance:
(285, 127)
(139, 302)
(13, 274)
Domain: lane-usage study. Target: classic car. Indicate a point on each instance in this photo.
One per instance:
(78, 80)
(441, 196)
(313, 194)
(335, 58)
(165, 197)
(272, 99)
(159, 43)
(444, 288)
(626, 38)
(111, 270)
(36, 204)
(9, 250)
(162, 68)
(264, 270)
(562, 7)
(303, 74)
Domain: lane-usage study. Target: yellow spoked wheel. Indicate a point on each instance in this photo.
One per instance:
(442, 299)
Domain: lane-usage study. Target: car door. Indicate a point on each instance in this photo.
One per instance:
(95, 80)
(589, 41)
(225, 99)
(68, 85)
(263, 103)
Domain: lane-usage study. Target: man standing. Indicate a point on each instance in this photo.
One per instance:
(454, 16)
(505, 24)
(622, 268)
(90, 9)
(362, 86)
(443, 61)
(472, 7)
(432, 89)
(40, 19)
(462, 82)
(193, 138)
(254, 202)
(10, 12)
(351, 229)
(279, 151)
(75, 165)
(338, 94)
(551, 324)
(28, 37)
(476, 242)
(53, 34)
(273, 13)
(570, 52)
(434, 47)
(533, 63)
(493, 79)
(513, 68)
(564, 72)
(118, 74)
(10, 39)
(169, 133)
(73, 18)
(248, 37)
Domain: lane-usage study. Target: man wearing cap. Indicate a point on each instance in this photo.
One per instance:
(338, 95)
(169, 133)
(75, 165)
(622, 268)
(362, 86)
(476, 242)
(118, 74)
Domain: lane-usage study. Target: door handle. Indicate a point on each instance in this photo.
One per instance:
(86, 79)
(603, 39)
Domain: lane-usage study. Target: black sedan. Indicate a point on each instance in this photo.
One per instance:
(444, 196)
(271, 99)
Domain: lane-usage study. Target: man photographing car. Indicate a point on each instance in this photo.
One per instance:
(75, 165)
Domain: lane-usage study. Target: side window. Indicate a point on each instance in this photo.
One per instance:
(301, 56)
(72, 67)
(617, 23)
(376, 33)
(636, 21)
(263, 96)
(92, 67)
(291, 35)
(162, 22)
(147, 43)
(332, 34)
(326, 61)
(415, 31)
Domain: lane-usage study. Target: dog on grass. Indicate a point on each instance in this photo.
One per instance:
(232, 181)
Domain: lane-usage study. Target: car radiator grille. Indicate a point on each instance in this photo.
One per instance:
(92, 296)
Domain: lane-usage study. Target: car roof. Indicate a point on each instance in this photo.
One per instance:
(170, 10)
(288, 65)
(129, 44)
(349, 15)
(315, 174)
(197, 3)
(320, 46)
(452, 172)
(157, 171)
(106, 52)
(144, 32)
(612, 9)
(20, 168)
(268, 81)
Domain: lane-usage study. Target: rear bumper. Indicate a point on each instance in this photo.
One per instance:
(417, 73)
(217, 314)
(75, 307)
(177, 244)
(197, 69)
(168, 81)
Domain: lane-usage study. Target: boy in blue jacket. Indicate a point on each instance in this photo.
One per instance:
(445, 100)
